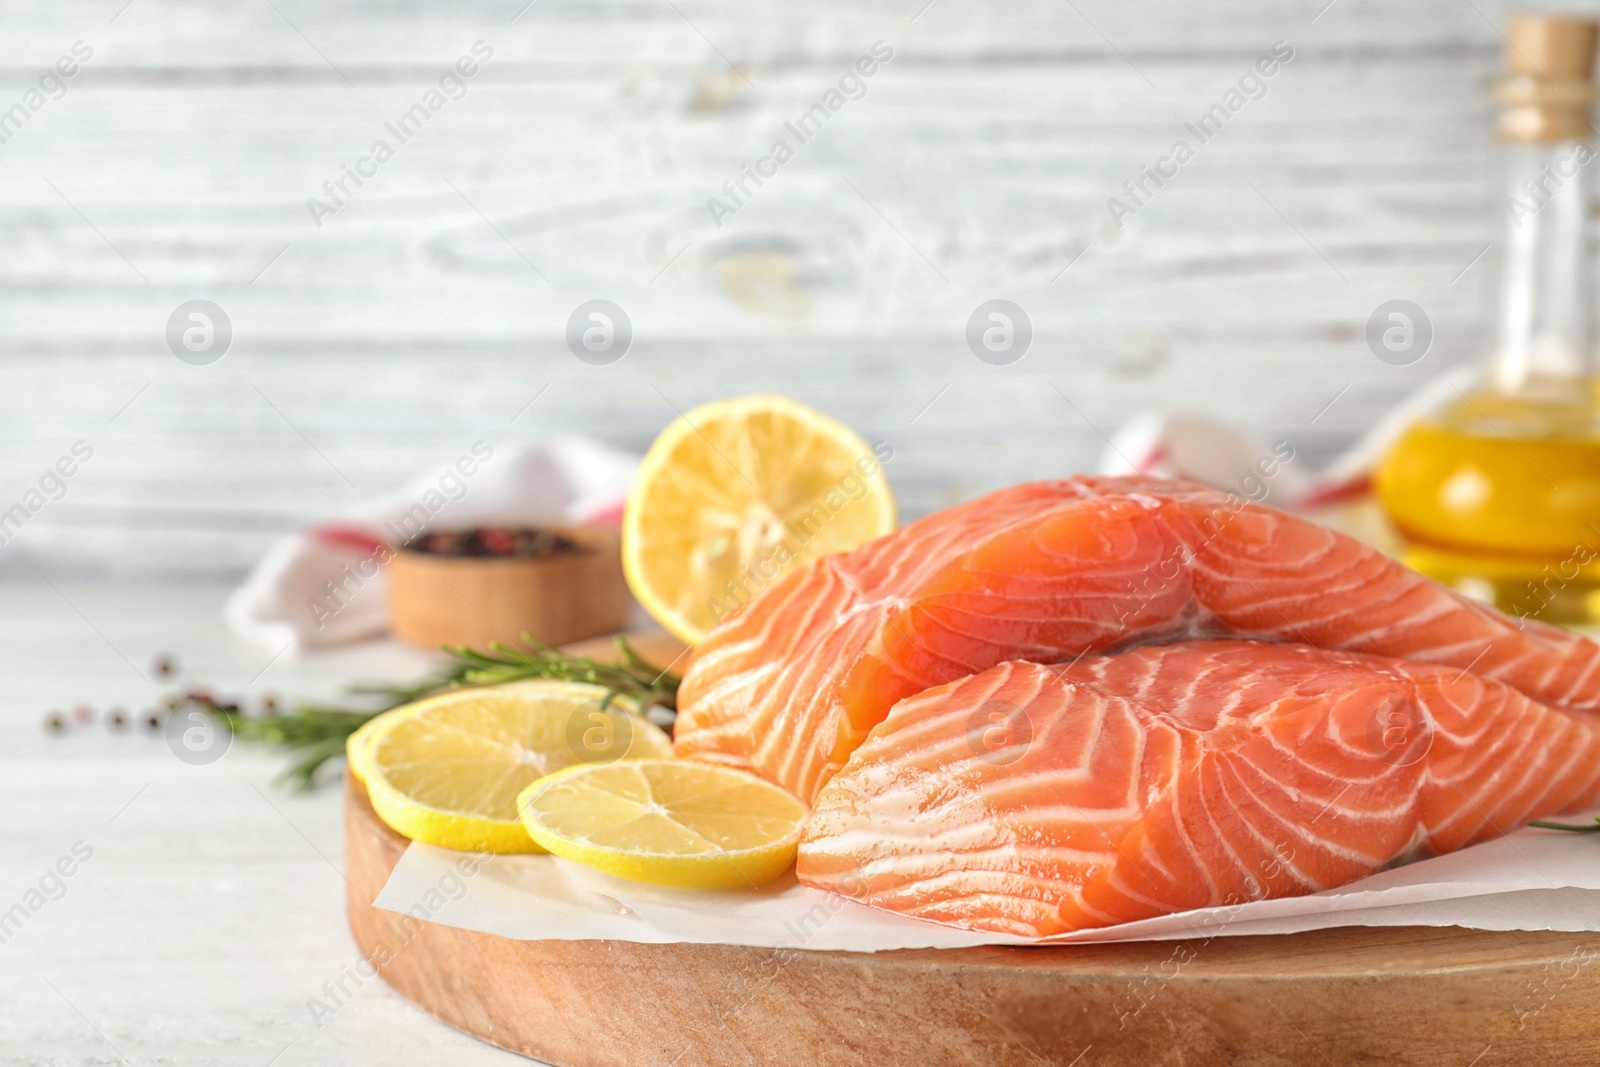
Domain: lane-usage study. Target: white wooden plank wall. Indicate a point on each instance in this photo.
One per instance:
(977, 165)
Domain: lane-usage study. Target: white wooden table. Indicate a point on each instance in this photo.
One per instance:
(428, 312)
(211, 909)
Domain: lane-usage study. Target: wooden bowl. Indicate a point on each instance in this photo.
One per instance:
(476, 600)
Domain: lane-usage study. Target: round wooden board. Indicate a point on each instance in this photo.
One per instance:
(1396, 995)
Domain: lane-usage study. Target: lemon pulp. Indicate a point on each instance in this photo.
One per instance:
(670, 822)
(447, 771)
(737, 493)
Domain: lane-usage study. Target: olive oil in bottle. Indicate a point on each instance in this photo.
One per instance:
(1497, 493)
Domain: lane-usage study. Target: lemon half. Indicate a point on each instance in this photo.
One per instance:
(737, 493)
(669, 822)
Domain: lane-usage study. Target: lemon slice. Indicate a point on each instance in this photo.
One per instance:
(670, 822)
(357, 744)
(447, 770)
(737, 493)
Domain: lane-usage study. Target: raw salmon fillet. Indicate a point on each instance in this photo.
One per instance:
(1047, 571)
(1036, 800)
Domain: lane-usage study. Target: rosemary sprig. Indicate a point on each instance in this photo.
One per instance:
(1580, 828)
(316, 733)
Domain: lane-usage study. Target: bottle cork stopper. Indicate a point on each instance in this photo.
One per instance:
(1548, 91)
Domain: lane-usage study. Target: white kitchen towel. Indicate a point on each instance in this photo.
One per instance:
(325, 585)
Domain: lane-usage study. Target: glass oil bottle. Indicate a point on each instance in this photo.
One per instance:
(1497, 493)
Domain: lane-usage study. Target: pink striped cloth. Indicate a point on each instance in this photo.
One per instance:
(1227, 457)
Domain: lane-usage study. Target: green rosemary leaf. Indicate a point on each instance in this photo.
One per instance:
(301, 775)
(1581, 828)
(318, 733)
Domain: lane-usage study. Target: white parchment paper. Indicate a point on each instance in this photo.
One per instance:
(1531, 880)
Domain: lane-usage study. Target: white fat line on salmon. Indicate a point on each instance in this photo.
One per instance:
(800, 530)
(1255, 487)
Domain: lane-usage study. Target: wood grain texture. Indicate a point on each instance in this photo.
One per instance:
(477, 602)
(428, 312)
(1414, 996)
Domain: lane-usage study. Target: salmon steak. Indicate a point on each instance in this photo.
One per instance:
(1037, 800)
(793, 681)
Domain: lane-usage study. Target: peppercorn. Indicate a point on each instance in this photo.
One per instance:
(498, 542)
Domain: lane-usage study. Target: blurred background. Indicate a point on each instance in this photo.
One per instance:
(425, 308)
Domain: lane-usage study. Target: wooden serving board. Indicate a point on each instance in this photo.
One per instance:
(1395, 995)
